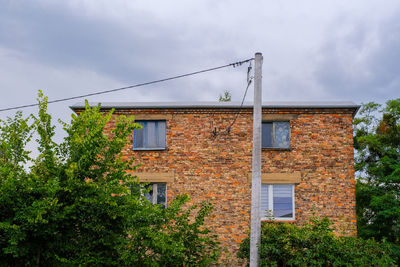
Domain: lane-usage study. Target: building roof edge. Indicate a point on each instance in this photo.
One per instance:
(160, 105)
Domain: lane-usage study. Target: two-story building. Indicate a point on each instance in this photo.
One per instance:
(202, 150)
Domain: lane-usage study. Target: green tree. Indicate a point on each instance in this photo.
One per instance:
(79, 204)
(377, 144)
(226, 97)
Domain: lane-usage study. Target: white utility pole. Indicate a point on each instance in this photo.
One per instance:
(255, 226)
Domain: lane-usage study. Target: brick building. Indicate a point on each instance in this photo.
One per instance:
(307, 160)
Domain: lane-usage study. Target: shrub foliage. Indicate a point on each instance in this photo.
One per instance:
(315, 244)
(78, 203)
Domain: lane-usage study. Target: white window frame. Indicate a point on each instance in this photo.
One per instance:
(271, 204)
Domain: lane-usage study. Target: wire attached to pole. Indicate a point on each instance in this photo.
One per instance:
(235, 64)
(228, 129)
(249, 81)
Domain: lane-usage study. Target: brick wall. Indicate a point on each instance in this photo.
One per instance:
(217, 168)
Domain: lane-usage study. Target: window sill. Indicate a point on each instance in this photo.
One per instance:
(150, 149)
(277, 148)
(279, 221)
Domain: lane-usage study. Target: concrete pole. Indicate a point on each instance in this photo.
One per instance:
(255, 226)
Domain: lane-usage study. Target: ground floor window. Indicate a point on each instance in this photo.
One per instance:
(157, 193)
(277, 201)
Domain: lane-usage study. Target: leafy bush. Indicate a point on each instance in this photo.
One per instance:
(315, 244)
(77, 205)
(173, 238)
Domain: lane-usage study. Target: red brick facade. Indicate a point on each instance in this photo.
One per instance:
(216, 166)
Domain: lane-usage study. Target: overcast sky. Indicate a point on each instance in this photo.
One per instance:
(313, 50)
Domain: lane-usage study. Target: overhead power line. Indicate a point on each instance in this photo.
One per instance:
(235, 64)
(228, 129)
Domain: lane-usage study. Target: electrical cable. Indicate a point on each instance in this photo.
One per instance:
(249, 80)
(228, 129)
(235, 64)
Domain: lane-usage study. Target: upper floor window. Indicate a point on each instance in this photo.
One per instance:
(150, 136)
(277, 201)
(276, 134)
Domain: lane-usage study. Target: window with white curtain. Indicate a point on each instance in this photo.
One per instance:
(277, 202)
(151, 136)
(276, 134)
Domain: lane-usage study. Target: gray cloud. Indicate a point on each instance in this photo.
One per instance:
(58, 37)
(66, 46)
(363, 63)
(313, 51)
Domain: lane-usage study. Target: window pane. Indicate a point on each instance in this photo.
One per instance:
(282, 130)
(150, 139)
(283, 204)
(161, 194)
(149, 195)
(139, 136)
(152, 135)
(265, 212)
(267, 134)
(161, 132)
